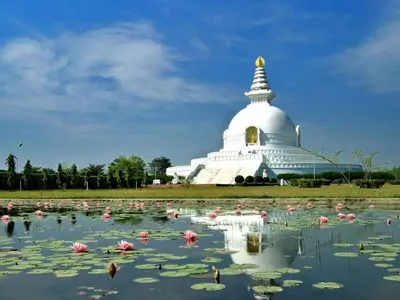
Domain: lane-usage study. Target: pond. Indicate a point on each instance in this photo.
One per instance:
(229, 252)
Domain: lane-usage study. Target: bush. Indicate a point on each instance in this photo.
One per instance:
(249, 179)
(266, 180)
(369, 184)
(326, 181)
(239, 179)
(274, 180)
(394, 182)
(258, 179)
(306, 183)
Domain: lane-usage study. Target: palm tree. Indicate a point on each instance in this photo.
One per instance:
(11, 174)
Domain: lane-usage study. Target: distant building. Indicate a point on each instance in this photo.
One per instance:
(261, 140)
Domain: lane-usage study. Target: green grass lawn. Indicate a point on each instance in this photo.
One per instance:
(333, 191)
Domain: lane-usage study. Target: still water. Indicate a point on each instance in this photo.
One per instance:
(36, 259)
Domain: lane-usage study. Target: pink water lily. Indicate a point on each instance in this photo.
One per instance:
(323, 220)
(143, 235)
(238, 212)
(371, 206)
(38, 204)
(388, 222)
(39, 213)
(263, 214)
(106, 216)
(341, 215)
(212, 216)
(125, 246)
(10, 206)
(351, 217)
(79, 247)
(5, 218)
(190, 237)
(108, 210)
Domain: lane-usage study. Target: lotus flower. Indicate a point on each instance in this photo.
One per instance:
(217, 210)
(238, 206)
(238, 212)
(59, 206)
(339, 206)
(143, 235)
(79, 247)
(118, 205)
(388, 222)
(39, 213)
(38, 204)
(5, 218)
(246, 205)
(10, 206)
(125, 246)
(263, 214)
(106, 216)
(108, 210)
(371, 206)
(190, 237)
(169, 204)
(351, 217)
(176, 215)
(291, 209)
(213, 215)
(298, 205)
(256, 209)
(323, 220)
(341, 215)
(309, 205)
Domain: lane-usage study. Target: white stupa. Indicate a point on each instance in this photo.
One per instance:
(261, 140)
(255, 242)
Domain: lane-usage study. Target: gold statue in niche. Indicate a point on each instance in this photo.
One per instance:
(251, 135)
(253, 243)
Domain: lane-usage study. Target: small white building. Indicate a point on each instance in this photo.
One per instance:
(261, 140)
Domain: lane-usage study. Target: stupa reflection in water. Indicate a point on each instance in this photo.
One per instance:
(256, 242)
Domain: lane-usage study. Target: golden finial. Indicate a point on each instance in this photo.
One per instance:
(260, 62)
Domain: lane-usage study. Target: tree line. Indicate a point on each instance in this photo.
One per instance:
(123, 172)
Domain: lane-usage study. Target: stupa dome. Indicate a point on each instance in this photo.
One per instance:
(268, 119)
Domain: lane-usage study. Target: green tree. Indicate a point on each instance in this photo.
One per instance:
(27, 173)
(159, 165)
(367, 161)
(11, 174)
(60, 176)
(73, 173)
(128, 169)
(111, 178)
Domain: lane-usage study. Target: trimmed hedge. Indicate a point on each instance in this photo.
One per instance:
(306, 183)
(239, 179)
(394, 182)
(337, 175)
(369, 184)
(249, 179)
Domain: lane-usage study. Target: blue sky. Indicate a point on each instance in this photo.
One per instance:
(85, 81)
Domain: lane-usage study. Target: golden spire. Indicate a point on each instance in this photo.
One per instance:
(260, 62)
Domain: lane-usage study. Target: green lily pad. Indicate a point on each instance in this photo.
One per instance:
(383, 265)
(231, 271)
(98, 271)
(39, 271)
(267, 289)
(65, 274)
(346, 254)
(208, 286)
(146, 280)
(328, 285)
(266, 275)
(290, 283)
(287, 271)
(377, 258)
(392, 278)
(211, 260)
(343, 245)
(396, 270)
(179, 273)
(156, 259)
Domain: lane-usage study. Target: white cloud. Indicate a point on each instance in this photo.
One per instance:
(375, 63)
(123, 66)
(199, 45)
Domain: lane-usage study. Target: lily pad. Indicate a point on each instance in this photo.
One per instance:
(208, 286)
(383, 265)
(146, 280)
(266, 275)
(179, 273)
(328, 285)
(346, 254)
(287, 271)
(343, 245)
(290, 283)
(392, 278)
(267, 289)
(211, 260)
(146, 266)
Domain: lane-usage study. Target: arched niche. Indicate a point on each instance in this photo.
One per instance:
(251, 135)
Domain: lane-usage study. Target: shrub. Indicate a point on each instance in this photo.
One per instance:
(258, 179)
(306, 183)
(326, 182)
(394, 182)
(369, 184)
(239, 179)
(249, 179)
(266, 180)
(274, 180)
